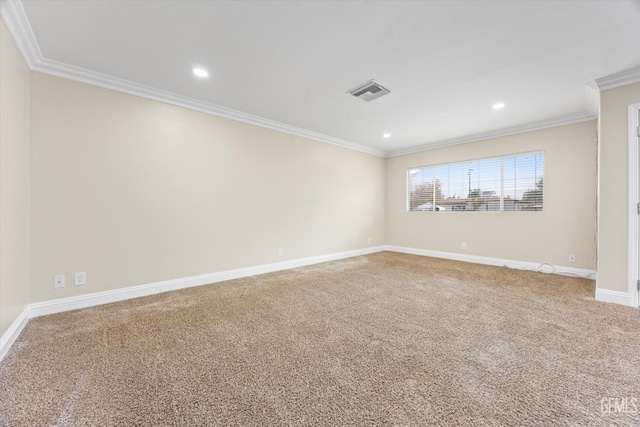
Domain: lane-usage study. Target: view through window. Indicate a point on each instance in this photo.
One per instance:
(498, 184)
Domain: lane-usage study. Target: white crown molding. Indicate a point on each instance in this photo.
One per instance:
(72, 72)
(15, 17)
(592, 99)
(529, 127)
(102, 80)
(499, 262)
(622, 78)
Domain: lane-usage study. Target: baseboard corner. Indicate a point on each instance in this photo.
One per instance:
(615, 297)
(10, 336)
(498, 262)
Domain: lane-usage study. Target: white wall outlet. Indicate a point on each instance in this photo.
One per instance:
(58, 281)
(572, 257)
(463, 246)
(369, 240)
(279, 253)
(81, 278)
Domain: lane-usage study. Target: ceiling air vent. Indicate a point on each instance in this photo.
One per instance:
(369, 91)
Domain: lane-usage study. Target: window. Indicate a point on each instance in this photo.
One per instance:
(509, 183)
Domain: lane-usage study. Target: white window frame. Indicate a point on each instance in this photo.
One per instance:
(501, 157)
(634, 200)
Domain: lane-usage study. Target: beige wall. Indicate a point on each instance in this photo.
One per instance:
(14, 181)
(134, 191)
(613, 187)
(567, 225)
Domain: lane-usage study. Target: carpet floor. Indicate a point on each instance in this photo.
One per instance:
(384, 339)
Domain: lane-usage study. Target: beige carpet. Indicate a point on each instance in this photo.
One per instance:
(386, 339)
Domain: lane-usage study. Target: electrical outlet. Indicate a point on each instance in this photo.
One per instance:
(81, 278)
(369, 240)
(463, 246)
(572, 257)
(279, 253)
(58, 281)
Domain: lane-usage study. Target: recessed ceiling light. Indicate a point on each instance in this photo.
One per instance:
(498, 106)
(386, 135)
(200, 72)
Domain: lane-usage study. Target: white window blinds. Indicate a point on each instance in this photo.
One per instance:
(498, 184)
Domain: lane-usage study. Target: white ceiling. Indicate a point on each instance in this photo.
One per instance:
(445, 62)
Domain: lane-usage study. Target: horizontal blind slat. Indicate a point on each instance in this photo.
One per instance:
(480, 185)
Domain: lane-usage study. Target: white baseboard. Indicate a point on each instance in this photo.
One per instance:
(83, 301)
(520, 265)
(98, 298)
(9, 337)
(616, 297)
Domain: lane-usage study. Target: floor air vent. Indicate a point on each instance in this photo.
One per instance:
(369, 91)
